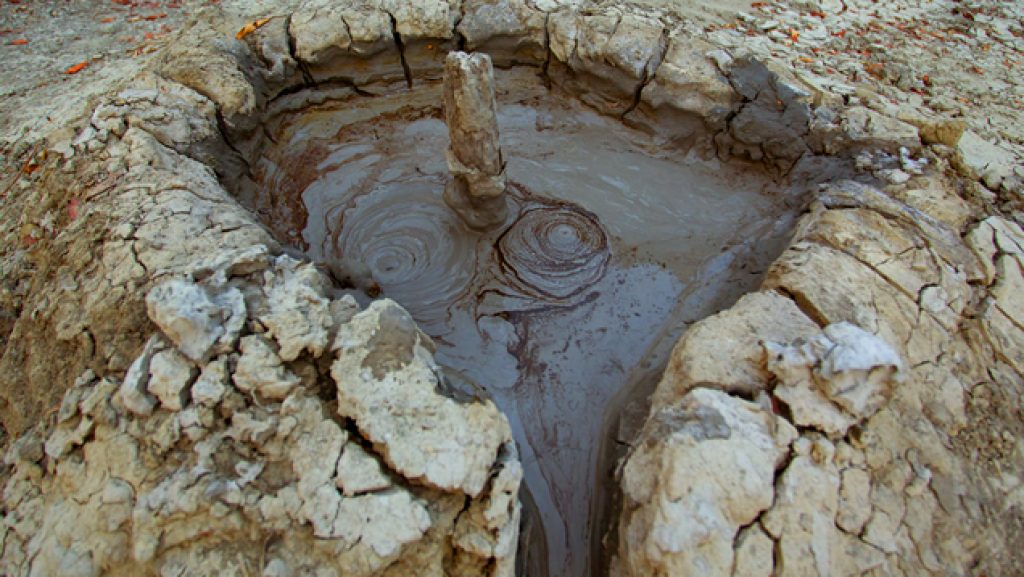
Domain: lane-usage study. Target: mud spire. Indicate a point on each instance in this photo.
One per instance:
(477, 189)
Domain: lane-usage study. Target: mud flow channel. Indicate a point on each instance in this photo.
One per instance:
(565, 315)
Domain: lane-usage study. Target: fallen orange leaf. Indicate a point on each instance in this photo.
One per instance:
(251, 27)
(77, 67)
(107, 20)
(806, 59)
(152, 17)
(19, 42)
(73, 209)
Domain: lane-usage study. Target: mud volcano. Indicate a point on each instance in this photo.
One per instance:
(563, 314)
(740, 323)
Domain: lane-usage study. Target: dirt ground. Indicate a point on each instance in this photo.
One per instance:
(923, 61)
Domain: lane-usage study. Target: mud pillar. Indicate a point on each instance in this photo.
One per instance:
(477, 189)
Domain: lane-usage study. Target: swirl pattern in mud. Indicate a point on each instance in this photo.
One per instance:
(415, 248)
(553, 253)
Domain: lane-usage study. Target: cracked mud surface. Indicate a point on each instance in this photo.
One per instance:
(857, 413)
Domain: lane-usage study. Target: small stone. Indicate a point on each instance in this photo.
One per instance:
(134, 391)
(27, 448)
(212, 383)
(387, 383)
(894, 176)
(359, 472)
(260, 370)
(298, 315)
(190, 422)
(186, 314)
(170, 376)
(277, 568)
(65, 438)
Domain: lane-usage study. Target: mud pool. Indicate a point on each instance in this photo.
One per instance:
(565, 315)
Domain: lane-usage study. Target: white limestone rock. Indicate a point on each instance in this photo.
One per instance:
(724, 350)
(223, 265)
(836, 379)
(189, 317)
(611, 53)
(354, 39)
(359, 472)
(299, 315)
(382, 521)
(755, 553)
(68, 436)
(387, 383)
(701, 470)
(260, 370)
(170, 375)
(212, 384)
(134, 391)
(854, 501)
(867, 128)
(424, 19)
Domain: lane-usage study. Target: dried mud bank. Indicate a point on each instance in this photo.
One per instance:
(221, 407)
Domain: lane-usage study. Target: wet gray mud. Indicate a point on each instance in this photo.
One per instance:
(566, 314)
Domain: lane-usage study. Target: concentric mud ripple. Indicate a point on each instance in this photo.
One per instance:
(553, 253)
(414, 246)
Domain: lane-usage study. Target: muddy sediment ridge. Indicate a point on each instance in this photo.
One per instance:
(617, 240)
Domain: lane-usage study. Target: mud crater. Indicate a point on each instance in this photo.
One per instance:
(565, 315)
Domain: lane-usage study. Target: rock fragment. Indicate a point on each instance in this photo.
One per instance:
(836, 379)
(134, 391)
(359, 472)
(867, 128)
(298, 314)
(702, 469)
(724, 351)
(688, 92)
(212, 384)
(260, 370)
(170, 377)
(188, 316)
(387, 383)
